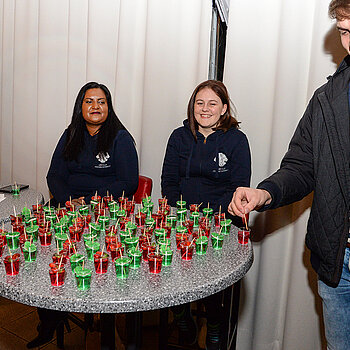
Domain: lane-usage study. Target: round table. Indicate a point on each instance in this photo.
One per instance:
(27, 197)
(182, 282)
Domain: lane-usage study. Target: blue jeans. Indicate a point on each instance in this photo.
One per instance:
(336, 309)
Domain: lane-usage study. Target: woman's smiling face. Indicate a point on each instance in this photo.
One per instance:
(94, 107)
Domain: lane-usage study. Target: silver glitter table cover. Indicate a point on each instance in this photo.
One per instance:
(27, 197)
(182, 282)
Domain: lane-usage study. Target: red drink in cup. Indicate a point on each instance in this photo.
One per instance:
(57, 274)
(187, 250)
(147, 248)
(110, 239)
(16, 220)
(12, 264)
(140, 219)
(116, 250)
(101, 262)
(75, 232)
(181, 237)
(45, 238)
(60, 258)
(155, 262)
(218, 218)
(243, 235)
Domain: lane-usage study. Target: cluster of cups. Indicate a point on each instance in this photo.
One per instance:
(129, 237)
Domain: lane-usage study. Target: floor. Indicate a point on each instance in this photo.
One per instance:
(18, 326)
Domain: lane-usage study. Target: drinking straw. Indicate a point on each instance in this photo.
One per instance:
(58, 250)
(219, 214)
(245, 221)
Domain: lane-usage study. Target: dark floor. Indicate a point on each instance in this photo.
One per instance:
(18, 326)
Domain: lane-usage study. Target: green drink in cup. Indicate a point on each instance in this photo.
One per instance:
(208, 212)
(123, 235)
(195, 218)
(148, 206)
(201, 245)
(181, 214)
(225, 226)
(217, 240)
(120, 214)
(91, 247)
(171, 220)
(29, 251)
(60, 227)
(60, 238)
(122, 267)
(181, 204)
(130, 227)
(95, 229)
(12, 240)
(113, 210)
(76, 260)
(167, 254)
(131, 242)
(164, 242)
(89, 237)
(83, 277)
(103, 221)
(135, 256)
(32, 232)
(84, 210)
(160, 233)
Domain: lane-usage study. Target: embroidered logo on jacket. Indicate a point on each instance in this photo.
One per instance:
(102, 157)
(222, 162)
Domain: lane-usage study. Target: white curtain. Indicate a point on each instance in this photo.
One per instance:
(278, 53)
(150, 54)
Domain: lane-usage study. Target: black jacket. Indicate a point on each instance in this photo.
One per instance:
(208, 170)
(318, 160)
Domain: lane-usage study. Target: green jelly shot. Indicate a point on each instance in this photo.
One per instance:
(225, 226)
(29, 251)
(167, 254)
(135, 257)
(201, 245)
(122, 267)
(83, 277)
(217, 240)
(91, 247)
(12, 240)
(76, 260)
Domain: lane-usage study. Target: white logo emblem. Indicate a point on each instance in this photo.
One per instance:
(102, 157)
(222, 160)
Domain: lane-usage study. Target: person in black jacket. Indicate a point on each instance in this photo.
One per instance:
(205, 161)
(318, 160)
(95, 153)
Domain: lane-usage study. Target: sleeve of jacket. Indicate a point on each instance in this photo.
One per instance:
(295, 177)
(170, 179)
(58, 174)
(240, 172)
(127, 168)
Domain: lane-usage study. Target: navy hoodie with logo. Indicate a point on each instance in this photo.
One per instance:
(206, 171)
(114, 171)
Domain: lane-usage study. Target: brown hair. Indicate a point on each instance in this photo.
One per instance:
(339, 9)
(226, 121)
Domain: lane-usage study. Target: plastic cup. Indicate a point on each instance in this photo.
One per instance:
(116, 250)
(171, 220)
(186, 250)
(11, 263)
(60, 258)
(84, 210)
(218, 218)
(32, 232)
(181, 204)
(92, 248)
(208, 212)
(160, 233)
(147, 248)
(155, 262)
(101, 262)
(89, 237)
(157, 217)
(148, 206)
(83, 277)
(69, 206)
(110, 239)
(113, 212)
(15, 191)
(201, 245)
(60, 238)
(195, 218)
(60, 227)
(167, 254)
(225, 226)
(135, 256)
(123, 235)
(76, 260)
(122, 267)
(217, 240)
(2, 247)
(243, 235)
(181, 214)
(130, 228)
(95, 229)
(29, 251)
(131, 242)
(70, 247)
(45, 238)
(167, 228)
(75, 233)
(140, 218)
(150, 222)
(205, 229)
(194, 208)
(12, 240)
(164, 242)
(31, 221)
(180, 237)
(103, 221)
(57, 275)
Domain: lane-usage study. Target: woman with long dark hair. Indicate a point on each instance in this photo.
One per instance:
(95, 153)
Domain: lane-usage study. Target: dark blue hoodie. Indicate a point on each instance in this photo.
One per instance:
(115, 171)
(208, 170)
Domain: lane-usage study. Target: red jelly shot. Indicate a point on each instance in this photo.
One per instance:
(101, 262)
(45, 238)
(116, 250)
(187, 250)
(155, 262)
(12, 264)
(57, 274)
(147, 249)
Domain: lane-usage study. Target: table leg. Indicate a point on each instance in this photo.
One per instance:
(107, 331)
(163, 329)
(134, 330)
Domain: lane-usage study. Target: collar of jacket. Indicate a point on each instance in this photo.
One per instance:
(334, 100)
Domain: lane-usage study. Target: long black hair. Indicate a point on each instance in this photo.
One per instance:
(108, 131)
